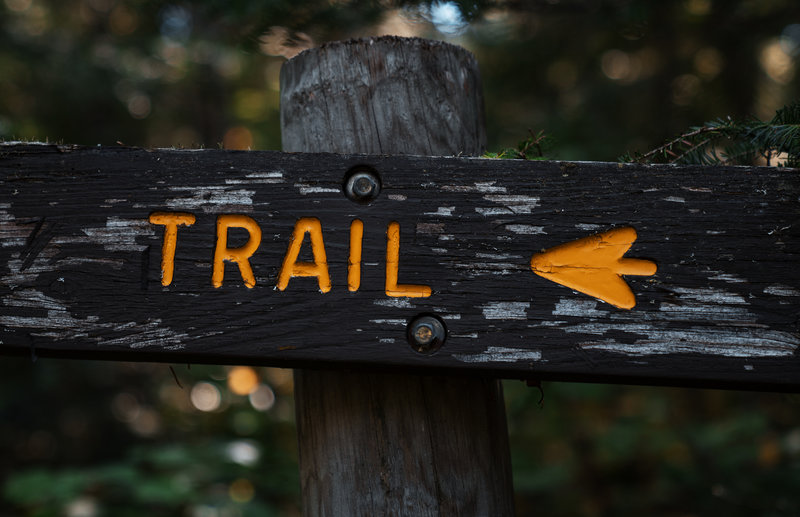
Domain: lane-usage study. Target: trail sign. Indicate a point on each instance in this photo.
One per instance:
(583, 271)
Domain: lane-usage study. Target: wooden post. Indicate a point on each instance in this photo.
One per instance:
(394, 444)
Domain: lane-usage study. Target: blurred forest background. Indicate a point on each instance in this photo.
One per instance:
(602, 78)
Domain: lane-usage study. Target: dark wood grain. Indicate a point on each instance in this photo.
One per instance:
(80, 264)
(401, 444)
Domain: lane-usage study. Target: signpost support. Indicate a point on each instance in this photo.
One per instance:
(394, 444)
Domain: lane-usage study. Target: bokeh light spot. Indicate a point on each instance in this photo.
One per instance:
(139, 106)
(263, 398)
(698, 7)
(281, 379)
(125, 407)
(243, 452)
(123, 21)
(18, 5)
(147, 423)
(792, 442)
(176, 23)
(790, 39)
(708, 62)
(174, 396)
(228, 64)
(241, 491)
(82, 507)
(205, 396)
(616, 64)
(769, 452)
(238, 138)
(242, 380)
(778, 65)
(447, 18)
(36, 21)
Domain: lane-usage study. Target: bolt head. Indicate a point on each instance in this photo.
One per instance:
(423, 334)
(426, 333)
(362, 185)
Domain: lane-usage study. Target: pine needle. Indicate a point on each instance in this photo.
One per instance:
(733, 142)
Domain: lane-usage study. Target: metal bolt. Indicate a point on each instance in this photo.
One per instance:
(426, 333)
(423, 334)
(362, 185)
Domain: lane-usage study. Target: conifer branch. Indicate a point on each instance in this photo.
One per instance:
(733, 142)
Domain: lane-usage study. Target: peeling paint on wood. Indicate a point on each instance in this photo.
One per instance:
(80, 264)
(501, 354)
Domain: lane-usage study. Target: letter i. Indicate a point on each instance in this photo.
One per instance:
(354, 261)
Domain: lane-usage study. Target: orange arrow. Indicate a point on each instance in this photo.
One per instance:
(594, 266)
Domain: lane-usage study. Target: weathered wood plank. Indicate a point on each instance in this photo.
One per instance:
(80, 263)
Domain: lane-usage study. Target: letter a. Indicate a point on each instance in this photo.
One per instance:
(319, 268)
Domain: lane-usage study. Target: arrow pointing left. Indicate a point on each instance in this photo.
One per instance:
(594, 265)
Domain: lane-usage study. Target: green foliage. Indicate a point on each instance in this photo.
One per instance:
(165, 480)
(621, 450)
(88, 449)
(536, 147)
(728, 141)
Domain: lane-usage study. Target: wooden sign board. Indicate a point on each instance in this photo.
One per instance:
(556, 270)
